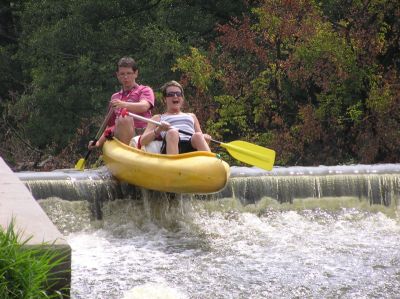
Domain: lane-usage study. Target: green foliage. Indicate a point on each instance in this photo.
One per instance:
(355, 112)
(196, 19)
(71, 51)
(25, 270)
(327, 49)
(198, 69)
(268, 71)
(379, 98)
(162, 45)
(309, 71)
(232, 113)
(64, 57)
(263, 97)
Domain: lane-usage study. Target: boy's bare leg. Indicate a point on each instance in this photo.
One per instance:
(124, 130)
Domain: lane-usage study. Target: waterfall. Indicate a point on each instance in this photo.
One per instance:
(334, 229)
(377, 184)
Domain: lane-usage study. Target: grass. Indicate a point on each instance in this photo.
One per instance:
(26, 271)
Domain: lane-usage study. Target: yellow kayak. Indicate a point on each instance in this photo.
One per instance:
(195, 172)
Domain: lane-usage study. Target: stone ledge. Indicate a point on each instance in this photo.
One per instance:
(18, 204)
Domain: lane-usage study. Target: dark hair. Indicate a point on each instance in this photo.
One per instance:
(127, 62)
(168, 84)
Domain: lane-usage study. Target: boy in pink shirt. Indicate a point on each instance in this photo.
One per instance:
(135, 98)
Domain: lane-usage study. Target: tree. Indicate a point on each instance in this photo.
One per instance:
(307, 79)
(66, 54)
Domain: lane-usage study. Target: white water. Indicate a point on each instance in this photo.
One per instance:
(160, 248)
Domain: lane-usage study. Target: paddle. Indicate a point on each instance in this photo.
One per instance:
(80, 165)
(241, 150)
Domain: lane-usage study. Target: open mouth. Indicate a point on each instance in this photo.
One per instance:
(175, 101)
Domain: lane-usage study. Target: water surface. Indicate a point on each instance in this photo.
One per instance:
(164, 248)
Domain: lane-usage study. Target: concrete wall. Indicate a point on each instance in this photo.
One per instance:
(16, 202)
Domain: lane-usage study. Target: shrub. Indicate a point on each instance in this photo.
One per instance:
(25, 270)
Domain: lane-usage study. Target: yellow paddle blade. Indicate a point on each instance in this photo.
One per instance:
(252, 154)
(80, 165)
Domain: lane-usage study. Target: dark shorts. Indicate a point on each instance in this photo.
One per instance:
(139, 131)
(185, 146)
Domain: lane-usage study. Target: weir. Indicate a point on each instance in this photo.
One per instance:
(377, 184)
(329, 227)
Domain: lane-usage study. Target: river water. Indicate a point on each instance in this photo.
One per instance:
(296, 232)
(163, 247)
